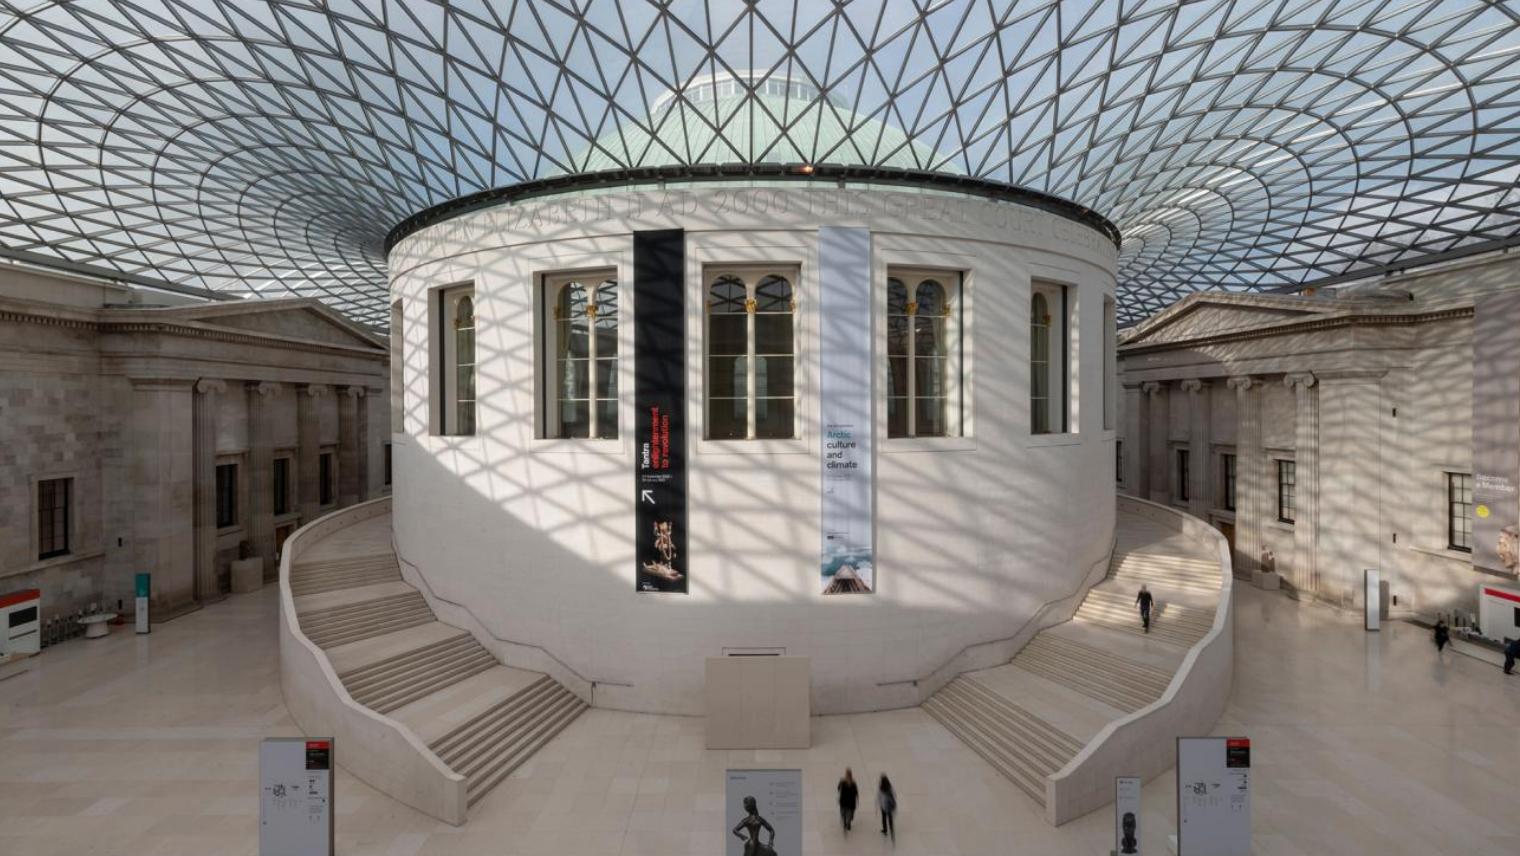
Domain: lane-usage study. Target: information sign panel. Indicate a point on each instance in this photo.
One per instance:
(1127, 815)
(764, 806)
(1213, 796)
(296, 796)
(144, 592)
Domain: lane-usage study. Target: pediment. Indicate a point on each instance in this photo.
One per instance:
(300, 319)
(1212, 317)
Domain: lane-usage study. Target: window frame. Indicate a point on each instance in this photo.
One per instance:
(450, 405)
(1058, 301)
(1228, 480)
(48, 544)
(751, 274)
(953, 281)
(1287, 490)
(549, 286)
(1452, 503)
(227, 497)
(327, 477)
(282, 496)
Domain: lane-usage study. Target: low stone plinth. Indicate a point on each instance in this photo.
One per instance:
(247, 575)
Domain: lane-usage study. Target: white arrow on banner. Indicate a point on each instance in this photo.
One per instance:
(647, 495)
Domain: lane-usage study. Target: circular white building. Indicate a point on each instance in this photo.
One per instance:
(655, 416)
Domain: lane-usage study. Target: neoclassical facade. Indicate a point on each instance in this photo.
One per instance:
(1332, 430)
(149, 432)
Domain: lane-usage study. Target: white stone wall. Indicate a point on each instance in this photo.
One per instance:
(536, 537)
(1388, 472)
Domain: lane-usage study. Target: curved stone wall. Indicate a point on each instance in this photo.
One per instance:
(537, 536)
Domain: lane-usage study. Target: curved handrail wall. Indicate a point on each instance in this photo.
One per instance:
(525, 655)
(1143, 743)
(996, 652)
(374, 748)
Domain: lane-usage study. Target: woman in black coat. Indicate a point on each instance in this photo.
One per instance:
(1442, 635)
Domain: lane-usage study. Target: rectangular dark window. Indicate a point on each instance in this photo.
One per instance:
(226, 495)
(1227, 470)
(1184, 475)
(1459, 511)
(387, 464)
(281, 485)
(1287, 491)
(325, 478)
(53, 517)
(1119, 461)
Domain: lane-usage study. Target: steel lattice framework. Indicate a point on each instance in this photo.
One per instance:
(267, 146)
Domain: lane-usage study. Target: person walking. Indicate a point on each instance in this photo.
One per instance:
(1511, 652)
(1442, 635)
(849, 797)
(886, 801)
(1144, 599)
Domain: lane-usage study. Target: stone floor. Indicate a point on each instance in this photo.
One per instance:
(1363, 744)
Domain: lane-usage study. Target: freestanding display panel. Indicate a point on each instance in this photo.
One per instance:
(1213, 796)
(296, 796)
(776, 820)
(1127, 816)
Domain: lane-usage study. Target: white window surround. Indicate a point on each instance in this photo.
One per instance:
(540, 268)
(1062, 302)
(600, 290)
(890, 255)
(950, 281)
(751, 277)
(705, 251)
(447, 306)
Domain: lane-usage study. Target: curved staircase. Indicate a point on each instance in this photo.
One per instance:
(1032, 716)
(390, 653)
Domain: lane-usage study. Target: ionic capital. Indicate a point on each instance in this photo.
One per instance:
(263, 387)
(209, 384)
(1151, 388)
(1241, 383)
(315, 390)
(1193, 385)
(353, 391)
(1298, 381)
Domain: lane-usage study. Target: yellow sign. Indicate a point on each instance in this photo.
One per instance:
(1482, 511)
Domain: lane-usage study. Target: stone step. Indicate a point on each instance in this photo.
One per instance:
(525, 741)
(410, 686)
(376, 626)
(1109, 678)
(386, 673)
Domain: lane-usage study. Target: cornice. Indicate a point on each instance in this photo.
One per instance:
(1386, 319)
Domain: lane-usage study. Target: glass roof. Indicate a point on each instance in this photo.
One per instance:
(265, 147)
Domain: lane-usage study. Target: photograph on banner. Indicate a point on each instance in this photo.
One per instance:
(1496, 434)
(763, 813)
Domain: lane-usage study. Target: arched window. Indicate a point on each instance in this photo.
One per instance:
(751, 338)
(456, 333)
(1048, 392)
(583, 390)
(1039, 363)
(923, 375)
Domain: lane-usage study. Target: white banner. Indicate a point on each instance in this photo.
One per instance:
(844, 270)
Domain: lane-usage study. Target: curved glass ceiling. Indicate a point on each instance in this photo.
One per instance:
(266, 147)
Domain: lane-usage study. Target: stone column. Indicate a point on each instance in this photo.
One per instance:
(308, 454)
(1305, 570)
(1159, 418)
(349, 443)
(261, 472)
(160, 473)
(208, 588)
(1200, 457)
(1350, 493)
(1250, 484)
(1136, 441)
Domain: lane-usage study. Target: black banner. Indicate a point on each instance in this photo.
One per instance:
(659, 359)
